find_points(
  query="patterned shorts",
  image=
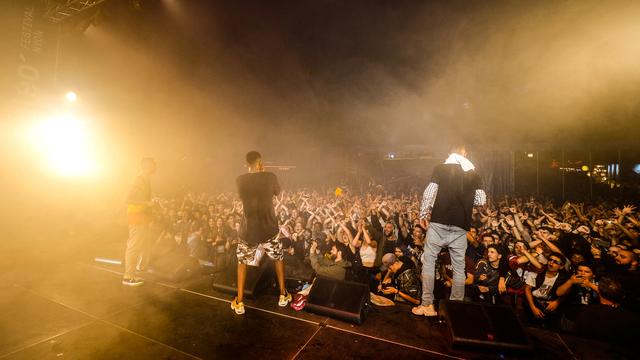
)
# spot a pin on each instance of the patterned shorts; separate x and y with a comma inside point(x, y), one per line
point(246, 253)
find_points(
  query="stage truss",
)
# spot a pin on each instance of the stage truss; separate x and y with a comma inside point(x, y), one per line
point(58, 11)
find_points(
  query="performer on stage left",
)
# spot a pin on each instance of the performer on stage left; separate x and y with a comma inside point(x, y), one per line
point(139, 216)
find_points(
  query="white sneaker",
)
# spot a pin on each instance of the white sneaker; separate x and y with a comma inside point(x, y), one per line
point(422, 310)
point(132, 282)
point(238, 307)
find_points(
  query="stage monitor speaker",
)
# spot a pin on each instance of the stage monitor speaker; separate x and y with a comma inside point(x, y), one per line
point(255, 283)
point(483, 325)
point(175, 267)
point(344, 300)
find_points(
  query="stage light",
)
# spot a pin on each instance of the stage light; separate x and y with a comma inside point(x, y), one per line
point(64, 144)
point(585, 168)
point(529, 155)
point(71, 96)
point(636, 169)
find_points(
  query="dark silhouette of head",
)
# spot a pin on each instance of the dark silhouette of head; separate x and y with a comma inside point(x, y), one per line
point(254, 161)
point(458, 148)
point(148, 165)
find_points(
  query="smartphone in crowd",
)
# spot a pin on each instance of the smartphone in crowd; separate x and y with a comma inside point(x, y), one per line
point(602, 243)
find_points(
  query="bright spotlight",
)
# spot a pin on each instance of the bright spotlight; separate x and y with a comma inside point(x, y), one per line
point(71, 96)
point(585, 168)
point(529, 155)
point(65, 145)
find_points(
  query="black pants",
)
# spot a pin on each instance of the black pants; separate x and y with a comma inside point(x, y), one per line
point(551, 319)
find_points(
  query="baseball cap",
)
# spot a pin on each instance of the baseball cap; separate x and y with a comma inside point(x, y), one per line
point(388, 260)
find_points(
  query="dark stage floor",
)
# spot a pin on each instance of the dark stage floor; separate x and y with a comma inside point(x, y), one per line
point(81, 311)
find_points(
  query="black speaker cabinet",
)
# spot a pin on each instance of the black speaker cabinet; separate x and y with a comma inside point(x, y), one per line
point(255, 283)
point(344, 300)
point(175, 267)
point(483, 325)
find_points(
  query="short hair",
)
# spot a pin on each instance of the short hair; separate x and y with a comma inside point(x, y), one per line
point(558, 255)
point(486, 233)
point(586, 264)
point(252, 156)
point(148, 161)
point(495, 247)
point(611, 290)
point(456, 147)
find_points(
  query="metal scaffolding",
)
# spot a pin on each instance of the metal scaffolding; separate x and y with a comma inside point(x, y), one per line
point(61, 10)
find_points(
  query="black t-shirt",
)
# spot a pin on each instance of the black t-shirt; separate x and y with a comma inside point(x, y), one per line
point(406, 264)
point(256, 190)
point(456, 192)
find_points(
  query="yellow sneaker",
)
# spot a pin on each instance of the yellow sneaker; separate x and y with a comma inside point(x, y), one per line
point(238, 307)
point(284, 300)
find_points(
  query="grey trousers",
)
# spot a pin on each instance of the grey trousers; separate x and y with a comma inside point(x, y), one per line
point(138, 250)
point(438, 237)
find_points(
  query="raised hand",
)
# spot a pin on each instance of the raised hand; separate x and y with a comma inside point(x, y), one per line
point(628, 209)
point(576, 280)
point(313, 247)
point(586, 283)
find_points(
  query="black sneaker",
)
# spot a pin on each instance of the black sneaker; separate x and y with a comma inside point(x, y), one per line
point(132, 282)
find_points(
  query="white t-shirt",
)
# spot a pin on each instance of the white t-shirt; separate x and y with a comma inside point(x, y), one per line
point(368, 255)
point(544, 291)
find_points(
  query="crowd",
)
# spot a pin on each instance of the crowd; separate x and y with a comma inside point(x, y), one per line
point(571, 267)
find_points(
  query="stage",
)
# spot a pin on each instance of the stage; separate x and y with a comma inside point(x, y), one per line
point(80, 310)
